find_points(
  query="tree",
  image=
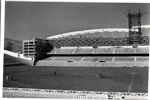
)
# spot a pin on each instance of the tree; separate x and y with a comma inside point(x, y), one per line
point(9, 46)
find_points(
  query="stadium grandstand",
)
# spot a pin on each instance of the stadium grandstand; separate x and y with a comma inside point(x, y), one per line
point(124, 49)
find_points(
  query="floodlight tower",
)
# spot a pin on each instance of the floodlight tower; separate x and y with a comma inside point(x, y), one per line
point(134, 21)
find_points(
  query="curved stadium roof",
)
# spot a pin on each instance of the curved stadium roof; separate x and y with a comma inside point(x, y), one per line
point(125, 30)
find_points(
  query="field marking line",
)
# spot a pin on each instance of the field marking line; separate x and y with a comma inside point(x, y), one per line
point(130, 86)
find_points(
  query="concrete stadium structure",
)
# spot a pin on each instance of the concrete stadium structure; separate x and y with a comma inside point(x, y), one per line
point(29, 56)
point(96, 48)
point(71, 43)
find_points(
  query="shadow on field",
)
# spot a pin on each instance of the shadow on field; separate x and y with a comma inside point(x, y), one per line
point(11, 65)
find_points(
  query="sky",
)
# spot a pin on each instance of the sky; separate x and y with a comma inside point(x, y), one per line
point(25, 20)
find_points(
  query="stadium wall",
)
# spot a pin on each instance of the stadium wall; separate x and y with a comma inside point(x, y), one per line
point(19, 57)
point(93, 64)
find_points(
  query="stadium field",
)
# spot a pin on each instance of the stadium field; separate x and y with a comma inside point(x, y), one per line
point(116, 79)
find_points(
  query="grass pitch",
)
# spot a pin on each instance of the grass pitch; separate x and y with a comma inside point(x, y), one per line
point(116, 79)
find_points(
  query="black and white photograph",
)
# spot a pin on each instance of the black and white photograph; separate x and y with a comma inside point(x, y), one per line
point(76, 50)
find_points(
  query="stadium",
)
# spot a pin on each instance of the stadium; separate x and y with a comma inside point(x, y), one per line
point(105, 64)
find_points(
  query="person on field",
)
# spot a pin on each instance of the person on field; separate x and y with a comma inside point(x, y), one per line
point(99, 76)
point(55, 73)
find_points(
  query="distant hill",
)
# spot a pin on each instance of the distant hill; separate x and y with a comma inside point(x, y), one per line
point(10, 61)
point(13, 45)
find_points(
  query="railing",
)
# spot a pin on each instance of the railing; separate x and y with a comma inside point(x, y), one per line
point(16, 55)
point(74, 94)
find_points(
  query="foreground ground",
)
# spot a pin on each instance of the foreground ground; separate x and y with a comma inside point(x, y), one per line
point(122, 79)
